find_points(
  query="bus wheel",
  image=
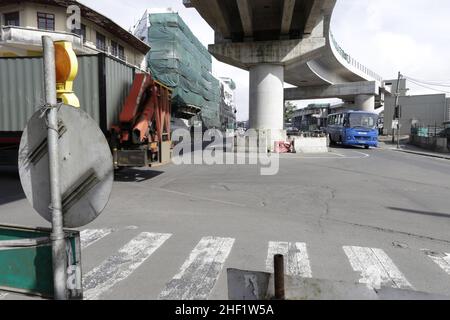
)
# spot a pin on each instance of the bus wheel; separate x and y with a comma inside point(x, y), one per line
point(366, 147)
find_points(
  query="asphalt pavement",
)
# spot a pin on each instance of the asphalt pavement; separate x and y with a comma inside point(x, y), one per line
point(370, 216)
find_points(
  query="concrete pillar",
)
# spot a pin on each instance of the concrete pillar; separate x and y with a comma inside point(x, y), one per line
point(365, 103)
point(267, 99)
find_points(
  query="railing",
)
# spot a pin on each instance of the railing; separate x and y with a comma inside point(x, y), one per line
point(351, 61)
point(429, 131)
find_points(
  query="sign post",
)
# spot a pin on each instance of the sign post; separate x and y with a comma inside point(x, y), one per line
point(57, 236)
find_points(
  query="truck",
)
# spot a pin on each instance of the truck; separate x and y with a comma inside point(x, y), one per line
point(132, 109)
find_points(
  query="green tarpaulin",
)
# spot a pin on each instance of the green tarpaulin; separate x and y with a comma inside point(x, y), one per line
point(179, 60)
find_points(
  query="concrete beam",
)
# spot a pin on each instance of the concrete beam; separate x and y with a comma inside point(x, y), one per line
point(316, 16)
point(288, 12)
point(245, 11)
point(214, 14)
point(247, 54)
point(346, 90)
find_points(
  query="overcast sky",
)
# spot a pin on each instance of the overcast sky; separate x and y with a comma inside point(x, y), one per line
point(387, 36)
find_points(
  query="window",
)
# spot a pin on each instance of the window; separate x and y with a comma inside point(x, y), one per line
point(114, 48)
point(121, 53)
point(82, 32)
point(12, 19)
point(101, 42)
point(46, 21)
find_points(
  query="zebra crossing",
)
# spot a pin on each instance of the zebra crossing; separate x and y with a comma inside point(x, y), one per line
point(205, 264)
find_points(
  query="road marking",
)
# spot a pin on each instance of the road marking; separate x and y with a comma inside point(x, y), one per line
point(376, 268)
point(118, 267)
point(200, 271)
point(337, 154)
point(296, 258)
point(442, 260)
point(340, 156)
point(3, 295)
point(189, 195)
point(90, 236)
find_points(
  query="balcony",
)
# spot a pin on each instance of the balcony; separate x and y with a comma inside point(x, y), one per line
point(31, 39)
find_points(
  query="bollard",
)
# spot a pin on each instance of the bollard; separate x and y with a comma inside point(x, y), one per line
point(279, 277)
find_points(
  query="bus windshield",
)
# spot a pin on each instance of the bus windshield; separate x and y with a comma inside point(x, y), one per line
point(361, 120)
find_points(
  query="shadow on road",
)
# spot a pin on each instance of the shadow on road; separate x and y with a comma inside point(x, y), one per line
point(135, 175)
point(426, 213)
point(10, 186)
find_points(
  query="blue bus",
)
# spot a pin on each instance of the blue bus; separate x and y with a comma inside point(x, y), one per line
point(353, 128)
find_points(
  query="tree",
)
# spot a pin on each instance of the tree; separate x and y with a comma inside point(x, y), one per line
point(289, 110)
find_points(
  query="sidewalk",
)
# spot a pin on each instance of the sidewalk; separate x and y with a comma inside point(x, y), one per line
point(419, 151)
point(386, 143)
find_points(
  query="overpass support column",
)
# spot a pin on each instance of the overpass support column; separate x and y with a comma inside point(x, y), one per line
point(365, 103)
point(267, 100)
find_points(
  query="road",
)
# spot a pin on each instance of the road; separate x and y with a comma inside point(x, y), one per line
point(370, 216)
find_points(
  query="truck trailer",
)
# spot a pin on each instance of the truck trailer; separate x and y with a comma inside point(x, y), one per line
point(131, 108)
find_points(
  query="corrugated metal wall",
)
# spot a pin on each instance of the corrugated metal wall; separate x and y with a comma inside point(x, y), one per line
point(22, 92)
point(119, 78)
point(86, 86)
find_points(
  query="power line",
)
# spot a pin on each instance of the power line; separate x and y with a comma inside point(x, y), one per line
point(429, 88)
point(431, 83)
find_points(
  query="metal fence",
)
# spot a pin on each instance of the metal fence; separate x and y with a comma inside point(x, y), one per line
point(351, 61)
point(428, 131)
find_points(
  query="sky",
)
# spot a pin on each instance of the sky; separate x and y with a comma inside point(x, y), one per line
point(387, 36)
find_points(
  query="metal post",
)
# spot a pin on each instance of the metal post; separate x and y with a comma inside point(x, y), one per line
point(397, 96)
point(279, 276)
point(398, 127)
point(57, 236)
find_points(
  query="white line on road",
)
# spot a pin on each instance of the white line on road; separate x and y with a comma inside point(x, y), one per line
point(340, 156)
point(189, 195)
point(296, 258)
point(200, 271)
point(442, 261)
point(118, 267)
point(3, 295)
point(91, 236)
point(376, 268)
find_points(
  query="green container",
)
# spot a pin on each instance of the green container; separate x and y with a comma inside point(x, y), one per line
point(26, 268)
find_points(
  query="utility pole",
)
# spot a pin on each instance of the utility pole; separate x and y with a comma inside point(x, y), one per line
point(396, 112)
point(57, 236)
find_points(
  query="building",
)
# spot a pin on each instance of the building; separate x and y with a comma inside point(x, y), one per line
point(179, 60)
point(313, 117)
point(22, 24)
point(227, 103)
point(416, 110)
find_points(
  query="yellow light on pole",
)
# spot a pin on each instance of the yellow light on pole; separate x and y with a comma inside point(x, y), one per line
point(66, 72)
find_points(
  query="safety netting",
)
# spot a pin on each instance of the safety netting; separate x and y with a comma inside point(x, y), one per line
point(178, 59)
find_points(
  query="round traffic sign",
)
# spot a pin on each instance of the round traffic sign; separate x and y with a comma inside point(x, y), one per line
point(85, 164)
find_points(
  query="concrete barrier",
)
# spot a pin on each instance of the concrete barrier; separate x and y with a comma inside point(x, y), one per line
point(310, 145)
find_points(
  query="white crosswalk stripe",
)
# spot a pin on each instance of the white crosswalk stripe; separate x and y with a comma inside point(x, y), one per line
point(296, 258)
point(119, 266)
point(442, 260)
point(199, 273)
point(376, 268)
point(90, 236)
